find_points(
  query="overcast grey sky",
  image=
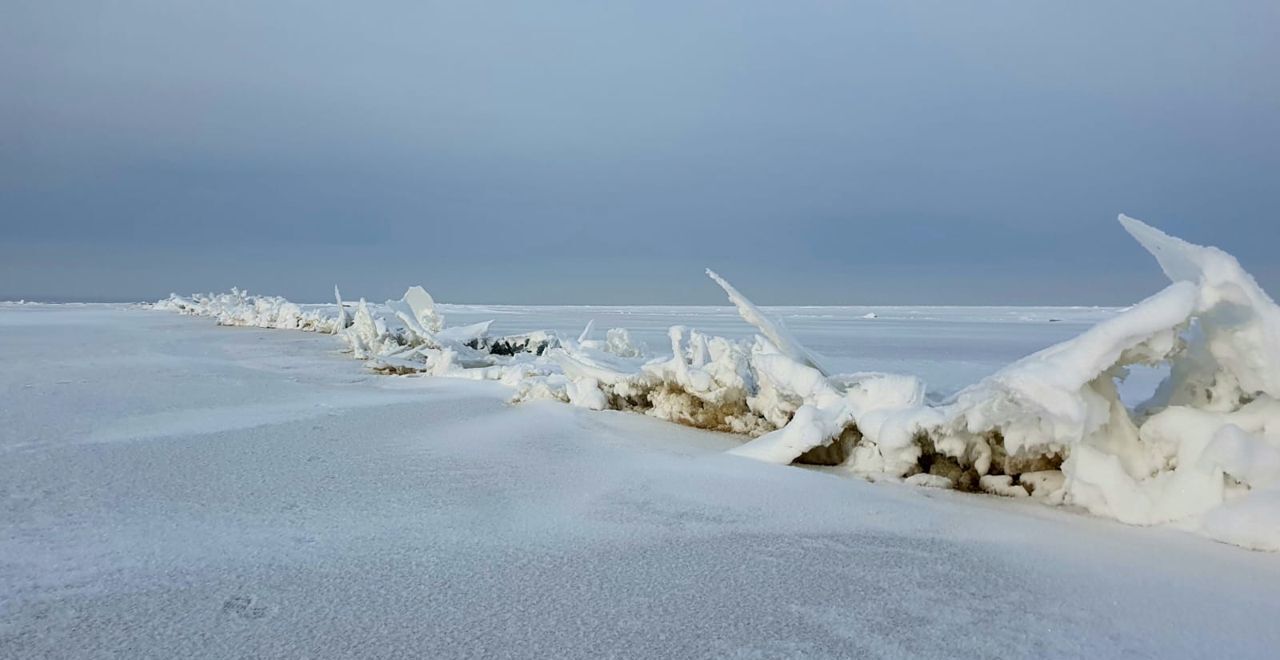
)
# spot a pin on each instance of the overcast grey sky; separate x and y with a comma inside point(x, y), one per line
point(596, 152)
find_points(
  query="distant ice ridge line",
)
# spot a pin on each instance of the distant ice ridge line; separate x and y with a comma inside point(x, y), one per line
point(1202, 454)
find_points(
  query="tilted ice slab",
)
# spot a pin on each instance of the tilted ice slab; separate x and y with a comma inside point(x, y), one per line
point(1203, 453)
point(772, 330)
point(1240, 322)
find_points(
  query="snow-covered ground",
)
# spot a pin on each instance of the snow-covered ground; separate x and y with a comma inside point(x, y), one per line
point(171, 488)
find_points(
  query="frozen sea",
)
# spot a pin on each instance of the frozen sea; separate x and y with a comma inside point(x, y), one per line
point(171, 488)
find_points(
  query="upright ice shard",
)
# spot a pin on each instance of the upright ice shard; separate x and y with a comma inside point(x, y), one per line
point(772, 330)
point(342, 321)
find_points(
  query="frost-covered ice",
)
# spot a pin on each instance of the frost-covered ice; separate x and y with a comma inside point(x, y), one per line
point(1185, 456)
point(170, 488)
point(1163, 413)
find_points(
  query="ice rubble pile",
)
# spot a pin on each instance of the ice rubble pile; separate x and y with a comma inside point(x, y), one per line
point(240, 308)
point(1203, 453)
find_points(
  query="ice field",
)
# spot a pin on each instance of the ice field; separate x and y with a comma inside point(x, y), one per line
point(1166, 412)
point(643, 481)
point(172, 488)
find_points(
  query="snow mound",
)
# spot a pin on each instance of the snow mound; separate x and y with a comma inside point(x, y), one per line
point(1203, 453)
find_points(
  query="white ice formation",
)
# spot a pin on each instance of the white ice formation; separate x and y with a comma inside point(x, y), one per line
point(1203, 453)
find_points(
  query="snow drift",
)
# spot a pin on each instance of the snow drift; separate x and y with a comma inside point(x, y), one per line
point(1203, 453)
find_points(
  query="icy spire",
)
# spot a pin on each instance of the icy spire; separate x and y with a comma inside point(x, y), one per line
point(772, 331)
point(343, 322)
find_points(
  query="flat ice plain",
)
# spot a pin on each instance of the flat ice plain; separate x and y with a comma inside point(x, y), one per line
point(171, 488)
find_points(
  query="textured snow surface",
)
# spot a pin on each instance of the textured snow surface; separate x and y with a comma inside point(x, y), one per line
point(170, 488)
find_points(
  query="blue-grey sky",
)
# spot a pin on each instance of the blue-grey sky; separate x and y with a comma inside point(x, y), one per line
point(596, 152)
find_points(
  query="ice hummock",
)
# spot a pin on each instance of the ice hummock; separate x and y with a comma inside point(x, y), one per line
point(1203, 453)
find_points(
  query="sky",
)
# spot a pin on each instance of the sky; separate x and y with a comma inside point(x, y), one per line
point(607, 152)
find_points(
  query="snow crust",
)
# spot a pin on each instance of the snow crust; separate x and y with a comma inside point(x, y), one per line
point(1202, 454)
point(184, 490)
